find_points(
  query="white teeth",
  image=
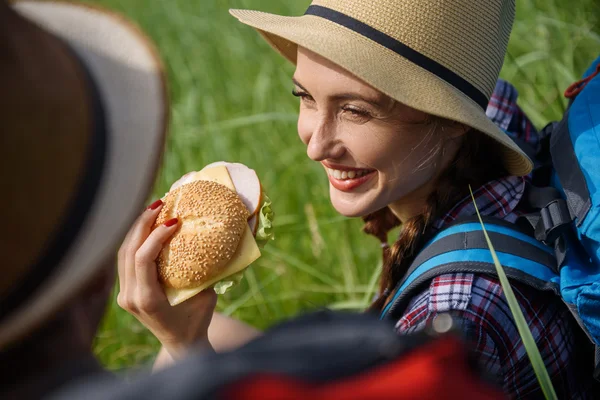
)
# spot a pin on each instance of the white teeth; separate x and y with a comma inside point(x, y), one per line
point(343, 175)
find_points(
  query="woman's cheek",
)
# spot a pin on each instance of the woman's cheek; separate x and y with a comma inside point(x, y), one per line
point(368, 147)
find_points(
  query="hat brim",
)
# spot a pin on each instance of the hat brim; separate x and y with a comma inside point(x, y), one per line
point(383, 69)
point(132, 84)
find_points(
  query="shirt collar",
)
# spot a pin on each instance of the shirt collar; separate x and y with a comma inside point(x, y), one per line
point(498, 198)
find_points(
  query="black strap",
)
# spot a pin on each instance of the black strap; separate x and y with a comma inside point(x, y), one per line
point(550, 221)
point(597, 362)
point(525, 147)
point(476, 240)
point(543, 170)
point(403, 50)
point(560, 250)
point(551, 217)
point(78, 209)
point(540, 197)
point(569, 172)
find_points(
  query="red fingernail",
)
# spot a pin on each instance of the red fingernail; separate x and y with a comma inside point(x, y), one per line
point(171, 222)
point(155, 205)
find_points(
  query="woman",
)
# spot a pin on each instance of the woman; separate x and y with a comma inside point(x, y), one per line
point(393, 97)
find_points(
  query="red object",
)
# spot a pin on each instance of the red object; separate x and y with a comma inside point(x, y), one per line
point(171, 222)
point(438, 370)
point(576, 88)
point(155, 205)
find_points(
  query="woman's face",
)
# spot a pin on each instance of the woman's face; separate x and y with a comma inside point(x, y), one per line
point(376, 152)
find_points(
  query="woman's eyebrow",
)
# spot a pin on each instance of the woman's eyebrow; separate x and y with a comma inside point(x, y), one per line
point(345, 96)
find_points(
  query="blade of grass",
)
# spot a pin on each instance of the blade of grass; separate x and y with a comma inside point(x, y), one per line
point(372, 286)
point(532, 350)
point(231, 308)
point(302, 266)
point(349, 270)
point(255, 288)
point(239, 122)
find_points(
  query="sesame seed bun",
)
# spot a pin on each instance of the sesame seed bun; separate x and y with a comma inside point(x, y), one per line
point(212, 219)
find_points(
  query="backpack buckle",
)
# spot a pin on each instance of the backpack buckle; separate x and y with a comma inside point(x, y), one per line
point(554, 221)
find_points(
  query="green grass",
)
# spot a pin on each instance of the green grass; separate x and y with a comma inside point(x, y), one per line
point(231, 101)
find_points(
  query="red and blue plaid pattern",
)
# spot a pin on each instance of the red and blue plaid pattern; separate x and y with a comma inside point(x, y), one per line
point(504, 112)
point(477, 300)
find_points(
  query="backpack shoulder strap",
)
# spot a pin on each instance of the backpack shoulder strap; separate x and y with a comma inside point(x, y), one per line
point(462, 247)
point(574, 145)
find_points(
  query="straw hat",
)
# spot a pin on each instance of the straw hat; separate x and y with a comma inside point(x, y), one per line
point(83, 118)
point(442, 57)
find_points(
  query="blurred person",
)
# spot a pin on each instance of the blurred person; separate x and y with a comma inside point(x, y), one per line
point(83, 118)
point(401, 104)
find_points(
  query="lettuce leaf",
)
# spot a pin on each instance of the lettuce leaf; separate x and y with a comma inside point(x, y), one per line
point(264, 234)
point(265, 231)
point(226, 284)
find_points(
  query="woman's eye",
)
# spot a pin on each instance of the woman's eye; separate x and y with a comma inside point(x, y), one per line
point(303, 95)
point(357, 112)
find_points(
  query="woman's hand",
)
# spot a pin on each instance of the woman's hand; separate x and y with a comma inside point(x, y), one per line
point(179, 327)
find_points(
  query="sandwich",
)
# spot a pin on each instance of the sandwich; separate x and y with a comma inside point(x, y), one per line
point(225, 219)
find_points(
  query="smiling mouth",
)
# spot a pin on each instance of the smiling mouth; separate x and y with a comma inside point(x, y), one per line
point(345, 175)
point(348, 180)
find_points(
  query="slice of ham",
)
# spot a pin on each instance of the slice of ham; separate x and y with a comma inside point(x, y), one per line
point(246, 183)
point(253, 222)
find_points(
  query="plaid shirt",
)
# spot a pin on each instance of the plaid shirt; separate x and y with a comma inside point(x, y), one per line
point(477, 302)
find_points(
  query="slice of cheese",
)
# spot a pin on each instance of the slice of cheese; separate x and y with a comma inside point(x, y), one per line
point(246, 253)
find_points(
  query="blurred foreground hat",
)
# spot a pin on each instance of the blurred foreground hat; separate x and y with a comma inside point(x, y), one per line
point(83, 116)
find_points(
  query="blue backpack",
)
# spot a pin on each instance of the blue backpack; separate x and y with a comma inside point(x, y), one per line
point(556, 247)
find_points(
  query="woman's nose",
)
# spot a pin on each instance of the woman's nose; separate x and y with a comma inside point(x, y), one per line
point(321, 139)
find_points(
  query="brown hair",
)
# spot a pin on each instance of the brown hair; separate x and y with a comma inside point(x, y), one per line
point(477, 161)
